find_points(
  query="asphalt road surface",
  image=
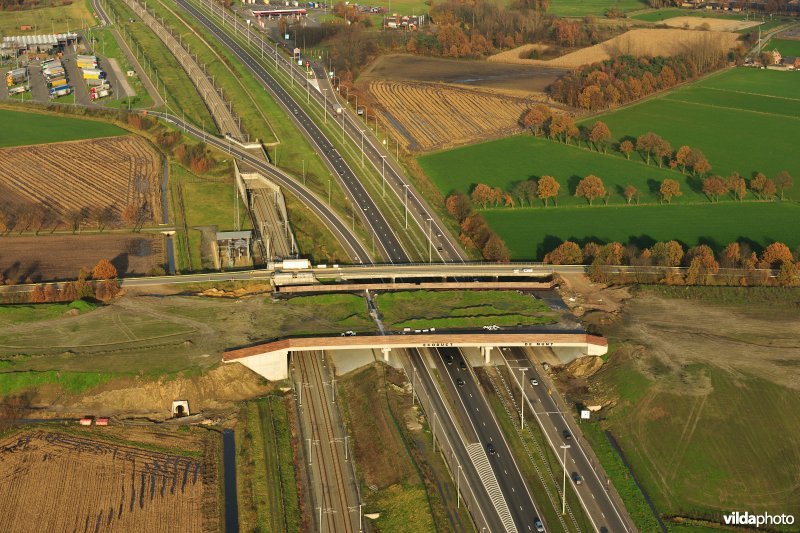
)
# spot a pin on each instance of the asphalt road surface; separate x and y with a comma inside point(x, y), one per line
point(462, 386)
point(592, 490)
point(437, 413)
point(373, 219)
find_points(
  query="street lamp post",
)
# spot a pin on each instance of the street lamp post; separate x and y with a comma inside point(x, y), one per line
point(564, 490)
point(325, 105)
point(405, 203)
point(362, 146)
point(430, 240)
point(383, 175)
point(522, 400)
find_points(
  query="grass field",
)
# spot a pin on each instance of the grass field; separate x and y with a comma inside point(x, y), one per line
point(715, 225)
point(580, 8)
point(787, 47)
point(71, 382)
point(744, 120)
point(265, 467)
point(690, 409)
point(461, 309)
point(35, 128)
point(533, 157)
point(382, 455)
point(46, 20)
point(206, 203)
point(20, 314)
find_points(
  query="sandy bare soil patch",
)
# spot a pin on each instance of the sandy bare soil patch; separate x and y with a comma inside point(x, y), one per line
point(96, 173)
point(677, 333)
point(60, 257)
point(519, 55)
point(434, 115)
point(695, 23)
point(472, 73)
point(61, 482)
point(653, 42)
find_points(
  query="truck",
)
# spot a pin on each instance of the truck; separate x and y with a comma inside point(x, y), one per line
point(93, 74)
point(53, 72)
point(100, 84)
point(295, 264)
point(18, 90)
point(16, 76)
point(64, 90)
point(57, 82)
point(94, 95)
point(86, 64)
point(338, 109)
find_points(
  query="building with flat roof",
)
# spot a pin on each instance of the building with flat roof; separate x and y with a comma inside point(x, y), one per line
point(14, 45)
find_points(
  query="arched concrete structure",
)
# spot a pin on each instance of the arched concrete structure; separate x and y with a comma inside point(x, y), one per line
point(270, 359)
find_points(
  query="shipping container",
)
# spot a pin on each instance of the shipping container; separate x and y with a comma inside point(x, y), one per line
point(98, 84)
point(93, 74)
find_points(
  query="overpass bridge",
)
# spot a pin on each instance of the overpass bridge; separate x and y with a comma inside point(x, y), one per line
point(271, 359)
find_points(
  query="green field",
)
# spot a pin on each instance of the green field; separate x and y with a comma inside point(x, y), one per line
point(530, 233)
point(71, 17)
point(461, 309)
point(265, 467)
point(20, 314)
point(580, 8)
point(462, 168)
point(698, 376)
point(787, 47)
point(744, 120)
point(21, 128)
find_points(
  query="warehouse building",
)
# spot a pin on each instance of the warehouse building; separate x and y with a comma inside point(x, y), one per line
point(16, 45)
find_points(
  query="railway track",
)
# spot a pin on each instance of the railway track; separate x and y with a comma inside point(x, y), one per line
point(334, 496)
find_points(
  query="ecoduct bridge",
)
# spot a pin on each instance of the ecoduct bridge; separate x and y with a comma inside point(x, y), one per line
point(270, 359)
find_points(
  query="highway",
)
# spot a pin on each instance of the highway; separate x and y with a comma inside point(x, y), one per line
point(390, 246)
point(541, 400)
point(467, 395)
point(452, 444)
point(443, 245)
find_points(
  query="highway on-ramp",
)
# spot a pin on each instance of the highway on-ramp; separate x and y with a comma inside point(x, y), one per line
point(391, 248)
point(593, 491)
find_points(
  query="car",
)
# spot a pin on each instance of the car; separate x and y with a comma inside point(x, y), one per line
point(296, 112)
point(527, 270)
point(538, 524)
point(490, 448)
point(567, 435)
point(462, 365)
point(440, 248)
point(534, 382)
point(576, 477)
point(448, 359)
point(459, 382)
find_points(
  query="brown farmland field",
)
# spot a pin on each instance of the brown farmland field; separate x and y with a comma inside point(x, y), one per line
point(111, 172)
point(640, 42)
point(470, 73)
point(60, 257)
point(712, 24)
point(433, 115)
point(60, 482)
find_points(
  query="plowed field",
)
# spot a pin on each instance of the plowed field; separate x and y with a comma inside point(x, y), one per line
point(59, 482)
point(60, 257)
point(98, 173)
point(430, 116)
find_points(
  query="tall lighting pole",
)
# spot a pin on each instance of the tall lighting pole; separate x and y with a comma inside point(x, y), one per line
point(405, 203)
point(430, 241)
point(564, 490)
